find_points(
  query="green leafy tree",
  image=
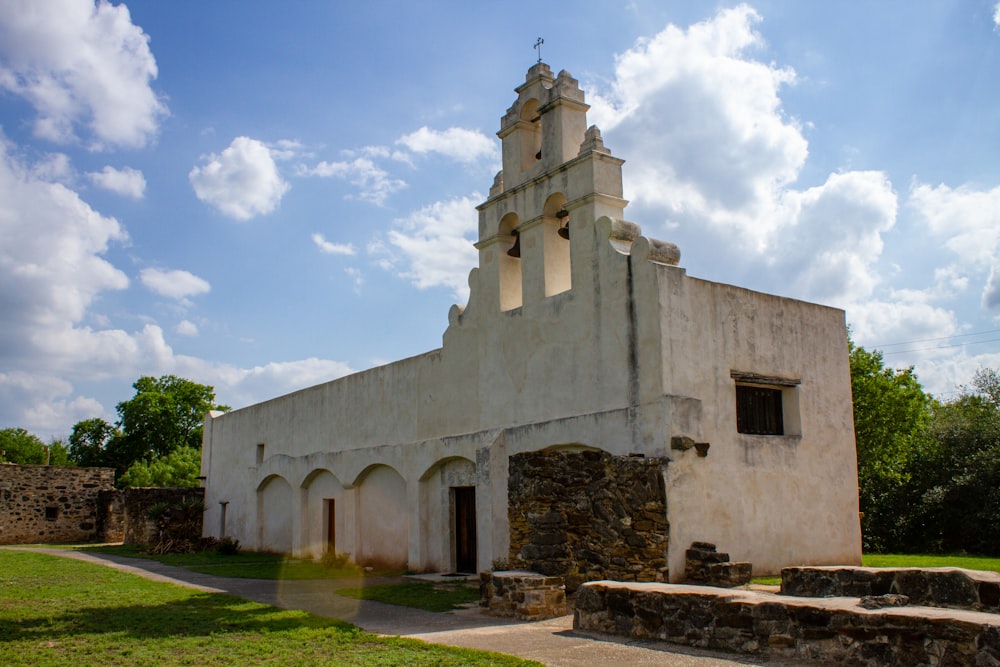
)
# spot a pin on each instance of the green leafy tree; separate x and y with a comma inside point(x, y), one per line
point(891, 414)
point(955, 483)
point(180, 467)
point(165, 414)
point(19, 446)
point(88, 443)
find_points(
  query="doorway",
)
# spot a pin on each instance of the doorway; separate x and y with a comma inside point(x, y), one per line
point(464, 498)
point(331, 525)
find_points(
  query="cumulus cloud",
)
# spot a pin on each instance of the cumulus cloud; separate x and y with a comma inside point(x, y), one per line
point(457, 143)
point(996, 16)
point(702, 124)
point(967, 221)
point(51, 260)
point(186, 328)
point(127, 182)
point(328, 248)
point(434, 246)
point(176, 284)
point(80, 64)
point(833, 237)
point(374, 183)
point(242, 182)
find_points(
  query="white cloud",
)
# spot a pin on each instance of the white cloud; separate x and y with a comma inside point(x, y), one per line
point(434, 246)
point(374, 183)
point(833, 236)
point(51, 259)
point(702, 125)
point(968, 218)
point(176, 284)
point(968, 222)
point(357, 278)
point(286, 149)
point(332, 248)
point(80, 63)
point(242, 182)
point(127, 182)
point(457, 143)
point(186, 328)
point(996, 16)
point(40, 403)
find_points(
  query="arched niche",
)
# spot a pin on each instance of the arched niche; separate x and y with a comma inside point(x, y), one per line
point(274, 515)
point(558, 271)
point(382, 517)
point(448, 516)
point(510, 267)
point(530, 135)
point(326, 514)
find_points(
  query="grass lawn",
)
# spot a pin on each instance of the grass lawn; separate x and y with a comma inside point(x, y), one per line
point(61, 612)
point(245, 564)
point(915, 560)
point(431, 596)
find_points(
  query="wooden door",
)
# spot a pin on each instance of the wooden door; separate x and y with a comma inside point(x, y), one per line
point(465, 528)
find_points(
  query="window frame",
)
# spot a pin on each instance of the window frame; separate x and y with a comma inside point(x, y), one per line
point(777, 398)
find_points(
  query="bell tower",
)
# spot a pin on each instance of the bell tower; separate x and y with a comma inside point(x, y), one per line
point(536, 230)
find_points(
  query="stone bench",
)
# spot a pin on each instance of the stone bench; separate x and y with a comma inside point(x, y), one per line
point(527, 596)
point(821, 630)
point(934, 587)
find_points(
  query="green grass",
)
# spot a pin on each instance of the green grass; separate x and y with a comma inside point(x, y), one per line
point(57, 612)
point(245, 564)
point(932, 560)
point(914, 560)
point(430, 596)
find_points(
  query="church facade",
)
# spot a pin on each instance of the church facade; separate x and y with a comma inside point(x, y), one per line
point(580, 334)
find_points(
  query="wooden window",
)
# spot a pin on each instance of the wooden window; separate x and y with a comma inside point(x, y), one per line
point(51, 513)
point(758, 410)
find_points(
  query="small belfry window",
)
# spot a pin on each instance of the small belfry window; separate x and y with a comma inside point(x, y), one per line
point(758, 410)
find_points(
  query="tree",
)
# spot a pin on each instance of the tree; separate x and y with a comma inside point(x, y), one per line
point(180, 467)
point(88, 443)
point(19, 446)
point(165, 414)
point(955, 487)
point(891, 413)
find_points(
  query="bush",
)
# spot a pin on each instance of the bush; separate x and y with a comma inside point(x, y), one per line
point(228, 546)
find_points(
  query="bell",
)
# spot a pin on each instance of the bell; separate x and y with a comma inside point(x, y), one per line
point(515, 250)
point(563, 230)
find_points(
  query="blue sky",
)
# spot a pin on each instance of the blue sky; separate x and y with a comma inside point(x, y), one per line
point(264, 196)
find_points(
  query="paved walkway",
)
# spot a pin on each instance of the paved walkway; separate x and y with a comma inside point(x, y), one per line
point(552, 642)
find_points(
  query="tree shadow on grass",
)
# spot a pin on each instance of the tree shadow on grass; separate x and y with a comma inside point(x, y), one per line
point(200, 614)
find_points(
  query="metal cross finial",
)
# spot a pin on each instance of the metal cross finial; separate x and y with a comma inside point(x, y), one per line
point(538, 47)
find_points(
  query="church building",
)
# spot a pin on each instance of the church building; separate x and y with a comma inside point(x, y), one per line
point(580, 335)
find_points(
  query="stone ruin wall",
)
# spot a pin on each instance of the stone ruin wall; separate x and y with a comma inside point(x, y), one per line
point(50, 504)
point(587, 516)
point(138, 528)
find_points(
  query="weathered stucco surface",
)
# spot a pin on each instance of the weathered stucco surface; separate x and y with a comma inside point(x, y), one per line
point(596, 341)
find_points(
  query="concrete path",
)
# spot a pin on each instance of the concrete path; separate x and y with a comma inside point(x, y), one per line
point(552, 642)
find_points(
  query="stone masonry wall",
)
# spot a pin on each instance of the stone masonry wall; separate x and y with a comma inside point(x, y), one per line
point(588, 515)
point(138, 529)
point(825, 631)
point(50, 504)
point(932, 587)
